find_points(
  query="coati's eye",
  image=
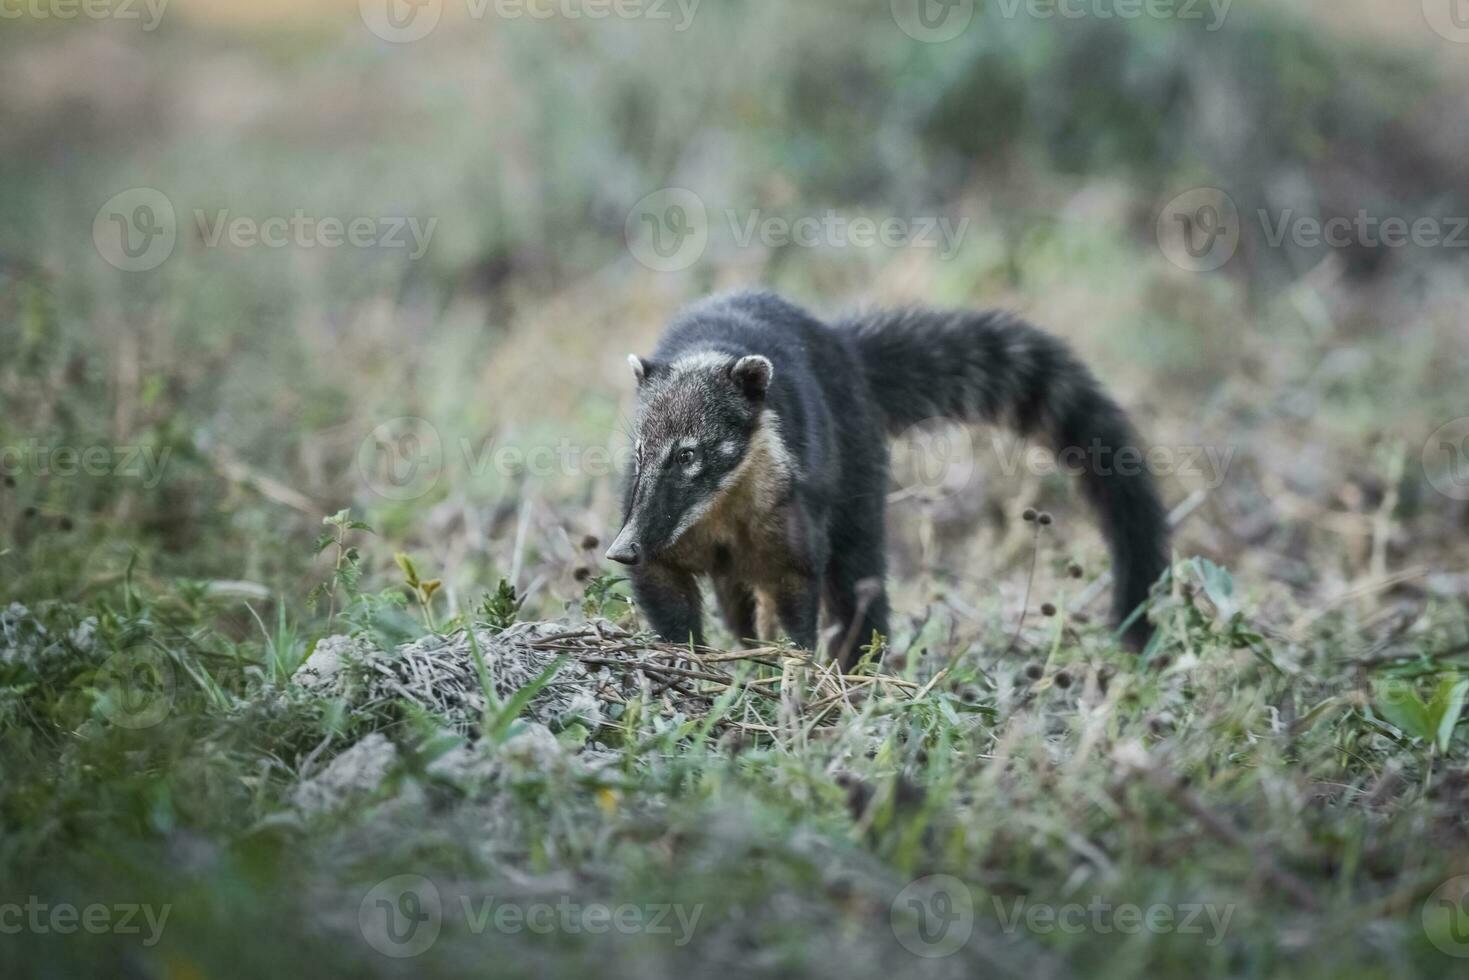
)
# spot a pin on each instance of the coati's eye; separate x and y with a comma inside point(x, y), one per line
point(686, 458)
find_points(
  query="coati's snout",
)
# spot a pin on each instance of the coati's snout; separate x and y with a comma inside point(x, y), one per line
point(624, 549)
point(694, 423)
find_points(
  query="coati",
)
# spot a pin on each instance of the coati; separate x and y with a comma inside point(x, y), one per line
point(761, 459)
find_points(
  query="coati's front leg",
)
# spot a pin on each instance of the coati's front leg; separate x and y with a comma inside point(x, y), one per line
point(797, 600)
point(737, 607)
point(669, 598)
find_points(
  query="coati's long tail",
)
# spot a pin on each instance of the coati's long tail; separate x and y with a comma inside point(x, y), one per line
point(995, 368)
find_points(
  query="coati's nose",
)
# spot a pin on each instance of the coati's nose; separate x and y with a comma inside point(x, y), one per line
point(624, 549)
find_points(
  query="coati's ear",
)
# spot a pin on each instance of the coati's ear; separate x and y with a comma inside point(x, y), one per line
point(752, 373)
point(641, 369)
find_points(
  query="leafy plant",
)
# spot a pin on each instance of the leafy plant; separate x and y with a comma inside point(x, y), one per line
point(1432, 721)
point(423, 590)
point(601, 595)
point(499, 609)
point(347, 566)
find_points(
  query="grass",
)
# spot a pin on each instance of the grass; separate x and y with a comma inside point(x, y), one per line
point(1275, 788)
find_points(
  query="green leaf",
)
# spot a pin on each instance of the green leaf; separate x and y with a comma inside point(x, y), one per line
point(1397, 702)
point(1445, 708)
point(410, 574)
point(1218, 585)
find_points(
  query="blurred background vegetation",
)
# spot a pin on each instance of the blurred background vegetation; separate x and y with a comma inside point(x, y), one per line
point(259, 375)
point(529, 142)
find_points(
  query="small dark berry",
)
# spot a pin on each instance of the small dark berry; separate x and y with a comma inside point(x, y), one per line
point(1080, 617)
point(1048, 609)
point(9, 480)
point(29, 512)
point(590, 542)
point(67, 524)
point(1028, 515)
point(1074, 570)
point(1033, 671)
point(1063, 679)
point(581, 573)
point(1044, 518)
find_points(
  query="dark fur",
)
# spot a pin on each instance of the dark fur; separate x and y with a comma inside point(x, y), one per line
point(815, 535)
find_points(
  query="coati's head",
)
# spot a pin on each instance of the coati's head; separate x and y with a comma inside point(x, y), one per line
point(694, 426)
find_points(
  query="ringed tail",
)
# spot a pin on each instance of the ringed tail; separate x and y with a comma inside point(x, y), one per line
point(993, 367)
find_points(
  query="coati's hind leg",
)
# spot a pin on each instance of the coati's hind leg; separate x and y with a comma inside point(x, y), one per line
point(856, 598)
point(670, 600)
point(737, 608)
